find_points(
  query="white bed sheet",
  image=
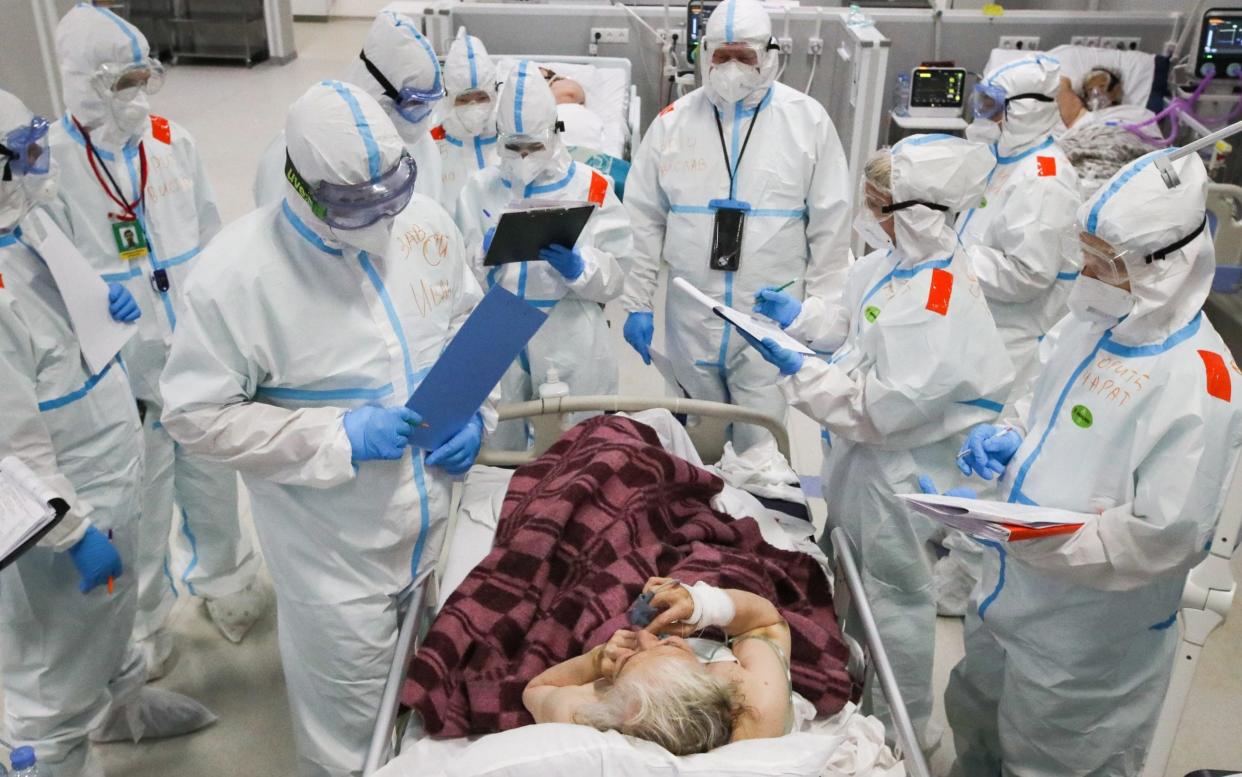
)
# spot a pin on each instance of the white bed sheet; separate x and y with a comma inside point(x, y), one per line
point(848, 744)
point(607, 95)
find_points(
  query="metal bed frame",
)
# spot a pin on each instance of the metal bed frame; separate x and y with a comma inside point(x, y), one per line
point(708, 435)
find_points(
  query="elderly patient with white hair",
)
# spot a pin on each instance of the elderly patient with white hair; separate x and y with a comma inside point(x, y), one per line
point(660, 683)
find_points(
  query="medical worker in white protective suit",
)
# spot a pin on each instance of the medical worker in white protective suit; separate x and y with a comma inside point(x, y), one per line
point(1012, 234)
point(135, 199)
point(293, 365)
point(398, 67)
point(916, 361)
point(466, 138)
point(67, 605)
point(743, 149)
point(1070, 640)
point(571, 283)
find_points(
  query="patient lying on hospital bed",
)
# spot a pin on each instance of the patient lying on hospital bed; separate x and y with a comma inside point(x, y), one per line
point(688, 695)
point(582, 532)
point(589, 138)
point(1094, 136)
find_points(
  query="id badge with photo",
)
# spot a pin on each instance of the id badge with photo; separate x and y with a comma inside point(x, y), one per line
point(131, 239)
point(727, 230)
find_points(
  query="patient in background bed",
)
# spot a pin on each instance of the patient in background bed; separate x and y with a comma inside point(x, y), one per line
point(1095, 137)
point(687, 695)
point(583, 126)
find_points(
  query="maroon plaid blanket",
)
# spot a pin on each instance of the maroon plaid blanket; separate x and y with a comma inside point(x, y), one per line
point(582, 529)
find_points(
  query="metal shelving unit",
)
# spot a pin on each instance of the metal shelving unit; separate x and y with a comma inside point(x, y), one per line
point(217, 29)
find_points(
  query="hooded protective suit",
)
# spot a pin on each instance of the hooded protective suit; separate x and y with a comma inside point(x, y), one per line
point(177, 212)
point(1132, 417)
point(467, 136)
point(916, 361)
point(1013, 233)
point(575, 340)
point(79, 433)
point(792, 180)
point(295, 329)
point(406, 60)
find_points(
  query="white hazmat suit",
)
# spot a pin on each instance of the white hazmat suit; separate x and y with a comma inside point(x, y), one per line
point(65, 657)
point(296, 328)
point(1012, 235)
point(574, 340)
point(467, 136)
point(405, 58)
point(793, 182)
point(916, 360)
point(1070, 641)
point(177, 212)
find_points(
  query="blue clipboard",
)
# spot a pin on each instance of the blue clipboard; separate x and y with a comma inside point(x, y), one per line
point(470, 367)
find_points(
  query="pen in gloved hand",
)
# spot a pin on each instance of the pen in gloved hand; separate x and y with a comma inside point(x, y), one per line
point(111, 580)
point(1000, 432)
point(785, 286)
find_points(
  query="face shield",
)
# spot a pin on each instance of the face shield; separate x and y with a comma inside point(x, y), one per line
point(25, 150)
point(355, 206)
point(124, 82)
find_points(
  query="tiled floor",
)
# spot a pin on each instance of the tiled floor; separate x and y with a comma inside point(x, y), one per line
point(234, 113)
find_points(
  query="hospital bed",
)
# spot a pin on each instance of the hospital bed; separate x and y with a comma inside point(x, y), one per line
point(610, 93)
point(846, 733)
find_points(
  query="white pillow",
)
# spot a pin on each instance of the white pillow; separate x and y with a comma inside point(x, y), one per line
point(564, 750)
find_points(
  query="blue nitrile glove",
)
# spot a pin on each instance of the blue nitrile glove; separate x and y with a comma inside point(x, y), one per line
point(96, 560)
point(987, 450)
point(639, 328)
point(380, 432)
point(777, 305)
point(457, 456)
point(928, 487)
point(567, 261)
point(785, 360)
point(121, 304)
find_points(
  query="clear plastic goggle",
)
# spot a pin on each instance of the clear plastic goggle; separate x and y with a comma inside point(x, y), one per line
point(125, 81)
point(874, 199)
point(987, 100)
point(345, 206)
point(518, 145)
point(1116, 267)
point(415, 105)
point(25, 150)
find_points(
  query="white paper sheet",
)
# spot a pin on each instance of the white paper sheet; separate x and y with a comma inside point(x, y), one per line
point(84, 292)
point(664, 366)
point(1000, 521)
point(22, 513)
point(757, 328)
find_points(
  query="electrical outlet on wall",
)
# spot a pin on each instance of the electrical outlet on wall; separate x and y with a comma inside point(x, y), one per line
point(1120, 43)
point(610, 35)
point(1085, 40)
point(1023, 42)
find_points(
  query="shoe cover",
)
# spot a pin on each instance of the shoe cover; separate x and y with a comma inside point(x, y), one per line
point(154, 714)
point(236, 613)
point(157, 651)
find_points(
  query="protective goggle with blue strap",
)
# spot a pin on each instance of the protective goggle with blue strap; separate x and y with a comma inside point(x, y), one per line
point(414, 105)
point(987, 100)
point(25, 150)
point(354, 206)
point(125, 81)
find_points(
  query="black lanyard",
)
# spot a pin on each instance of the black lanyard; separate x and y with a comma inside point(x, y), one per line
point(732, 169)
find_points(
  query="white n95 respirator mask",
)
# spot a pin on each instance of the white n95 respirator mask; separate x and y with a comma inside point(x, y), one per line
point(1094, 300)
point(373, 239)
point(983, 131)
point(871, 231)
point(734, 81)
point(468, 121)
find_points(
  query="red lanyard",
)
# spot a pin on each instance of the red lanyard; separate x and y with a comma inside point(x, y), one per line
point(115, 192)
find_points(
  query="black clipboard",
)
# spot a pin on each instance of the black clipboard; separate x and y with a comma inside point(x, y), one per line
point(520, 234)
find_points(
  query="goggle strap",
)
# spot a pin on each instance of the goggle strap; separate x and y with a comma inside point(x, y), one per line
point(1171, 247)
point(9, 156)
point(1043, 98)
point(300, 186)
point(896, 206)
point(389, 90)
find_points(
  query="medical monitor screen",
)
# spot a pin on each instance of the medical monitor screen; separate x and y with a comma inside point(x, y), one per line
point(937, 87)
point(1220, 44)
point(697, 13)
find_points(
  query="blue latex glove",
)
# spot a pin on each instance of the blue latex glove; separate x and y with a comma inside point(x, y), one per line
point(380, 432)
point(96, 560)
point(785, 360)
point(987, 450)
point(639, 328)
point(928, 487)
point(457, 456)
point(777, 305)
point(121, 304)
point(567, 261)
